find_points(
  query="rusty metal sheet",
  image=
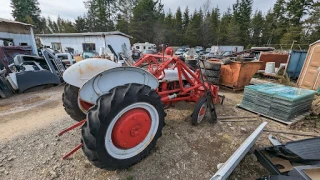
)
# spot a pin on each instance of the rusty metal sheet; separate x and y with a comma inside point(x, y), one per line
point(278, 58)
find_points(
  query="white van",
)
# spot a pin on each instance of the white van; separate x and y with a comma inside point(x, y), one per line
point(144, 46)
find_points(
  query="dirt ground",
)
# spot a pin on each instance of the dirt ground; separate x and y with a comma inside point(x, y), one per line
point(31, 149)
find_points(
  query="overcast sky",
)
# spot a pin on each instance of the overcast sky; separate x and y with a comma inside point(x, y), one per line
point(70, 9)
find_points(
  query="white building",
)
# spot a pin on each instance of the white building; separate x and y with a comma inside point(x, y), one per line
point(13, 33)
point(84, 42)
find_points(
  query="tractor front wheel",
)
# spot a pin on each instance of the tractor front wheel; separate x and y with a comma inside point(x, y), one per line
point(123, 126)
point(71, 102)
point(199, 111)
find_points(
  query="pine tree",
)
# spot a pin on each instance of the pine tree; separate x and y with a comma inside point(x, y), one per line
point(312, 25)
point(214, 26)
point(178, 28)
point(224, 23)
point(169, 28)
point(80, 24)
point(256, 28)
point(122, 24)
point(244, 20)
point(145, 15)
point(297, 9)
point(60, 26)
point(193, 31)
point(99, 15)
point(27, 11)
point(233, 32)
point(186, 19)
point(125, 8)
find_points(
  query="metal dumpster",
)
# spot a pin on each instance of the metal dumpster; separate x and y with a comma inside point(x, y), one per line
point(295, 62)
point(237, 75)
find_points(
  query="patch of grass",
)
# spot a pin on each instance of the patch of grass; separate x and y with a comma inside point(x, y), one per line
point(129, 169)
point(130, 178)
point(285, 80)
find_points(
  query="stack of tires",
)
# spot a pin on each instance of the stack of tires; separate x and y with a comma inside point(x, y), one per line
point(192, 63)
point(211, 70)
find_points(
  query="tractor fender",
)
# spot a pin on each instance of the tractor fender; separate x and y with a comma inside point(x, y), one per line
point(82, 71)
point(109, 79)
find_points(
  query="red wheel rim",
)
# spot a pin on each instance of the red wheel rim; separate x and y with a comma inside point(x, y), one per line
point(131, 128)
point(202, 111)
point(85, 105)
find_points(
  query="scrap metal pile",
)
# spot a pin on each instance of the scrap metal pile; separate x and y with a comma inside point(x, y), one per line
point(277, 101)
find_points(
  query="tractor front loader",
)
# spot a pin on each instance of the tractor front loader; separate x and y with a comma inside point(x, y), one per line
point(121, 109)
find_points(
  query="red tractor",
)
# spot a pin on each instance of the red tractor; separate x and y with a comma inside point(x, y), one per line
point(121, 109)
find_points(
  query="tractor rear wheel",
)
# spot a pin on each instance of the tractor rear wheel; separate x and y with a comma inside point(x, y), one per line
point(123, 126)
point(70, 102)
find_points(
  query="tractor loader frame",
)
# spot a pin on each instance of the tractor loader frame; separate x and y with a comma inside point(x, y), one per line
point(123, 107)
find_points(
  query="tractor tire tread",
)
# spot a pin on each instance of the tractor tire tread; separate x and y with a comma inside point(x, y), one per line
point(211, 65)
point(100, 116)
point(70, 103)
point(211, 73)
point(196, 111)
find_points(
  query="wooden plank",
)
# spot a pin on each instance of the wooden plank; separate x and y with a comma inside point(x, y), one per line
point(293, 133)
point(236, 117)
point(287, 137)
point(241, 120)
point(234, 89)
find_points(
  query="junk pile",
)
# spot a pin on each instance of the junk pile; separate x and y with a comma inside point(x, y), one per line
point(294, 160)
point(278, 102)
point(316, 106)
point(21, 72)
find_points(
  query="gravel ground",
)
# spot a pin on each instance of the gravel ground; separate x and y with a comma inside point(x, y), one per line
point(30, 148)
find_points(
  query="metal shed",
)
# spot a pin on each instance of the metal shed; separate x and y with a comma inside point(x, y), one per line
point(14, 33)
point(84, 42)
point(309, 77)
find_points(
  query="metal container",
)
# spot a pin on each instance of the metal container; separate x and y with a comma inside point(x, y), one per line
point(237, 75)
point(295, 62)
point(278, 58)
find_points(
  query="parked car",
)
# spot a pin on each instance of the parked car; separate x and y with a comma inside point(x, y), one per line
point(208, 50)
point(201, 53)
point(198, 48)
point(89, 54)
point(148, 51)
point(136, 54)
point(179, 52)
point(187, 55)
point(209, 55)
point(66, 58)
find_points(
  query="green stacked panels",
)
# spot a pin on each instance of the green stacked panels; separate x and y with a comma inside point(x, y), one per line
point(277, 101)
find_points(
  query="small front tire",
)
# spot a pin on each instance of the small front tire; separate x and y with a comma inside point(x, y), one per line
point(199, 111)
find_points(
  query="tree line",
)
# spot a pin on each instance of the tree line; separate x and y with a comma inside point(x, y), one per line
point(288, 22)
